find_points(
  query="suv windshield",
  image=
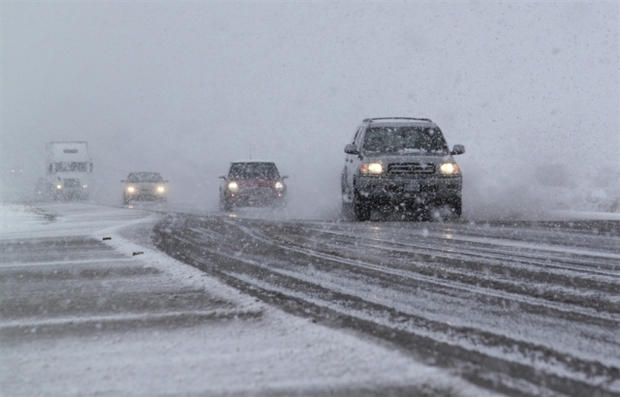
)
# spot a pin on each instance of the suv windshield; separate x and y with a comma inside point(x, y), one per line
point(253, 170)
point(404, 140)
point(144, 177)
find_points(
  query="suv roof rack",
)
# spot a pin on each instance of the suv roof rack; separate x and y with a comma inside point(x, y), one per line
point(370, 120)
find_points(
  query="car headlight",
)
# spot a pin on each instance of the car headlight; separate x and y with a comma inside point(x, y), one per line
point(85, 186)
point(233, 187)
point(131, 189)
point(160, 189)
point(279, 186)
point(372, 168)
point(449, 169)
point(58, 187)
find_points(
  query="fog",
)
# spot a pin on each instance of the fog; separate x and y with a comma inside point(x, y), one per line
point(532, 90)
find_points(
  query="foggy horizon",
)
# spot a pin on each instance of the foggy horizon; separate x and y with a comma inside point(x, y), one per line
point(185, 88)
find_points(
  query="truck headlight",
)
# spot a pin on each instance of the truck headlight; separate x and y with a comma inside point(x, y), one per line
point(279, 186)
point(160, 189)
point(449, 169)
point(233, 187)
point(372, 168)
point(131, 189)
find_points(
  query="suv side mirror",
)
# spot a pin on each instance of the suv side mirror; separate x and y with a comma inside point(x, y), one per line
point(458, 149)
point(284, 176)
point(351, 149)
point(222, 176)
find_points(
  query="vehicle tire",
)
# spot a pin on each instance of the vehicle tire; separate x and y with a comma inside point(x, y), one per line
point(347, 211)
point(225, 206)
point(347, 202)
point(444, 211)
point(457, 205)
point(361, 208)
point(278, 204)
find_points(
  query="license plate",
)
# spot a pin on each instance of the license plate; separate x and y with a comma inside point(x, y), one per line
point(412, 187)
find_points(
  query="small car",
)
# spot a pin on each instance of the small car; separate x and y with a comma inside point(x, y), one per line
point(401, 162)
point(252, 183)
point(144, 186)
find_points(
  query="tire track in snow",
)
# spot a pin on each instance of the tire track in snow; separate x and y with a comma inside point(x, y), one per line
point(271, 265)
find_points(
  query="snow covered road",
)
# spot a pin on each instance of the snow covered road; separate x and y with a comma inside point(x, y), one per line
point(89, 307)
point(524, 308)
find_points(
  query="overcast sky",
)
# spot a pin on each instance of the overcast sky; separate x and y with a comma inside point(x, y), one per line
point(184, 88)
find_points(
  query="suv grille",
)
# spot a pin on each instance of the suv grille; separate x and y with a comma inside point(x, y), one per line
point(411, 168)
point(72, 183)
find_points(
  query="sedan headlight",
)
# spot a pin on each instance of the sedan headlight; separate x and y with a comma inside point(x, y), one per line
point(449, 169)
point(372, 168)
point(131, 189)
point(233, 187)
point(160, 189)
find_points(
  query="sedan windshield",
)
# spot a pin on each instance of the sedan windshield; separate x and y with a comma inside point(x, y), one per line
point(253, 171)
point(71, 167)
point(144, 177)
point(404, 140)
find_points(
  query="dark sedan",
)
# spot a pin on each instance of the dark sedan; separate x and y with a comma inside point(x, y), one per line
point(252, 183)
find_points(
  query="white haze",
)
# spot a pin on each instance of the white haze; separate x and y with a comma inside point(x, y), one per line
point(184, 88)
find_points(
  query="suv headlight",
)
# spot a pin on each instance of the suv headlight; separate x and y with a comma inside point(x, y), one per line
point(372, 168)
point(279, 186)
point(233, 187)
point(160, 189)
point(449, 169)
point(131, 189)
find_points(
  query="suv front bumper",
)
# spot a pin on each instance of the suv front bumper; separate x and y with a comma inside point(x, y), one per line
point(394, 190)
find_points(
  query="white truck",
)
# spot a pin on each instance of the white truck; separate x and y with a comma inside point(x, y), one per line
point(68, 172)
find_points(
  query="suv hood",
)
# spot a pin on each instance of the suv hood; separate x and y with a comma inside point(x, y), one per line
point(390, 159)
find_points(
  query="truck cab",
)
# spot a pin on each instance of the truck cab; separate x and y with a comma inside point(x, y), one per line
point(68, 172)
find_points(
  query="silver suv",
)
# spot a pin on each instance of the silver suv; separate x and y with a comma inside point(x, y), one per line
point(401, 163)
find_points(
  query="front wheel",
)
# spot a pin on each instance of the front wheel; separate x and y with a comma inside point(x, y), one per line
point(446, 211)
point(347, 210)
point(225, 206)
point(457, 205)
point(454, 205)
point(361, 208)
point(280, 204)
